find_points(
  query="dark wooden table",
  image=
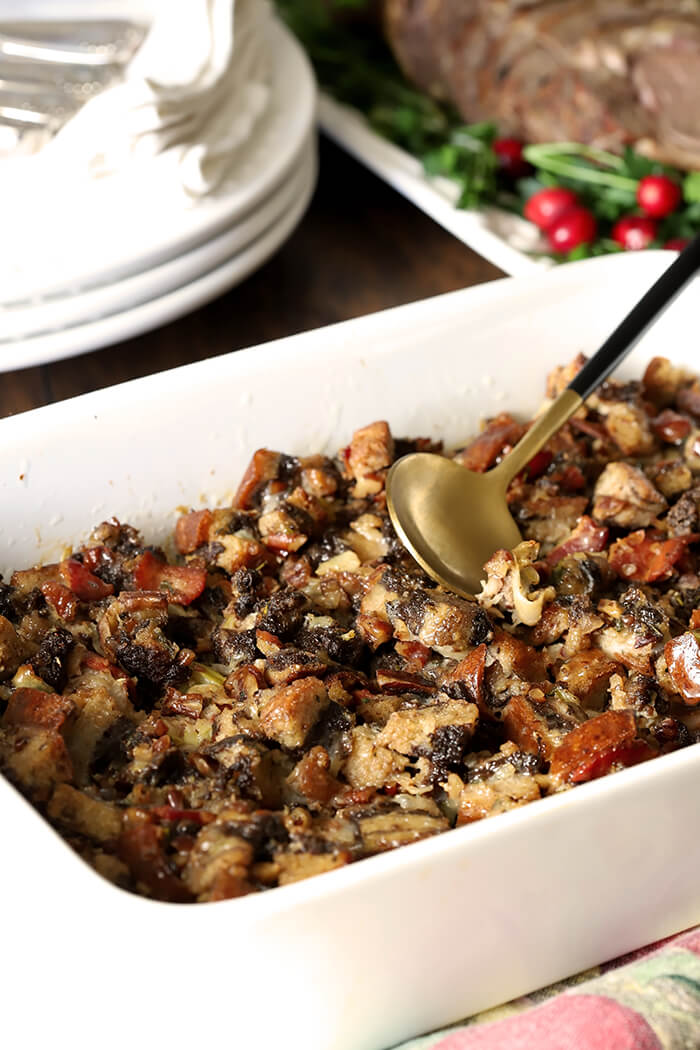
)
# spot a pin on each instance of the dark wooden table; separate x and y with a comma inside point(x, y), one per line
point(360, 247)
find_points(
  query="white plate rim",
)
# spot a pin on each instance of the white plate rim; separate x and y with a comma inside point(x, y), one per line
point(104, 300)
point(125, 324)
point(293, 110)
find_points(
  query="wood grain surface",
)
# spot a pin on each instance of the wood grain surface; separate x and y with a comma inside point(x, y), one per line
point(360, 248)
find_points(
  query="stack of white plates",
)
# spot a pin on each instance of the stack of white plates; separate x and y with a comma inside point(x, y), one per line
point(175, 259)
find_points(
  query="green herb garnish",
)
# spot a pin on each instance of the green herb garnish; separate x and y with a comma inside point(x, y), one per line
point(354, 64)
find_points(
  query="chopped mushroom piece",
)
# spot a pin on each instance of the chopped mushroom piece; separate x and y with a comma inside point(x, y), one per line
point(684, 516)
point(439, 621)
point(399, 827)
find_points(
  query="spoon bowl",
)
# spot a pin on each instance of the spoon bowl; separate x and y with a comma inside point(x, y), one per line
point(452, 519)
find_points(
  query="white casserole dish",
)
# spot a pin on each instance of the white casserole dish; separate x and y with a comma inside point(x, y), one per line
point(365, 956)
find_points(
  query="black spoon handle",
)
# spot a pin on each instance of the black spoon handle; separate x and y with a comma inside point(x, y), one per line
point(620, 342)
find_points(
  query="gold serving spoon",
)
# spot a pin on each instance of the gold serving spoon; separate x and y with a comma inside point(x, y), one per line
point(452, 519)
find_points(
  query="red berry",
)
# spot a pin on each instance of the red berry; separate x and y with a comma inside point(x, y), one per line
point(658, 196)
point(676, 244)
point(575, 226)
point(634, 232)
point(545, 206)
point(509, 153)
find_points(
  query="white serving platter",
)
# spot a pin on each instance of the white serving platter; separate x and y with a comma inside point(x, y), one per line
point(365, 956)
point(502, 238)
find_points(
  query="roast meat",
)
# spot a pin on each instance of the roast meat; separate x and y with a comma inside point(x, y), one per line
point(604, 72)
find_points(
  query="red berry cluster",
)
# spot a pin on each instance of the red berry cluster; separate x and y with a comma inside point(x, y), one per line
point(567, 223)
point(657, 197)
point(563, 219)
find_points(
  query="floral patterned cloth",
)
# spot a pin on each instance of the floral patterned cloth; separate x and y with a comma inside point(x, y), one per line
point(649, 1000)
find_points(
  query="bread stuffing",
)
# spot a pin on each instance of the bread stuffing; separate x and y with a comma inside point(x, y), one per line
point(285, 692)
